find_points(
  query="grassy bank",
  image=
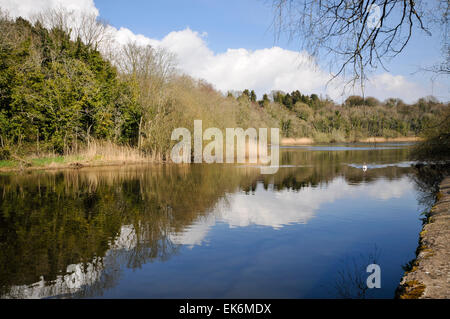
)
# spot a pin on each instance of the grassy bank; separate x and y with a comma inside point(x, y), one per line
point(101, 153)
point(98, 153)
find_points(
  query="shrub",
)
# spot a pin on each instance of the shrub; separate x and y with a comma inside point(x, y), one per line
point(337, 136)
point(436, 146)
point(303, 111)
point(5, 153)
point(371, 101)
point(320, 137)
point(354, 100)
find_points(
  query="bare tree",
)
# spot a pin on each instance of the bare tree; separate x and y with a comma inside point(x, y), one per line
point(357, 35)
point(440, 17)
point(85, 26)
point(152, 68)
point(145, 61)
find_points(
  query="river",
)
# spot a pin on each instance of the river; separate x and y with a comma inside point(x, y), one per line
point(213, 231)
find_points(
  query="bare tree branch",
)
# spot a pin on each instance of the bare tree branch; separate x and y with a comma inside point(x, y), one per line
point(356, 36)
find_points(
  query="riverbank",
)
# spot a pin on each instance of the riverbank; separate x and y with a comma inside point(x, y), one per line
point(97, 154)
point(428, 277)
point(100, 154)
point(391, 140)
point(297, 141)
point(309, 141)
point(53, 164)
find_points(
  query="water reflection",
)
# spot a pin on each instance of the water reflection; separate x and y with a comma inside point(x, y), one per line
point(285, 207)
point(75, 233)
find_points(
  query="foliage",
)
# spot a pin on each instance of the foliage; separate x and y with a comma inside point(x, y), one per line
point(59, 95)
point(436, 146)
point(57, 92)
point(5, 154)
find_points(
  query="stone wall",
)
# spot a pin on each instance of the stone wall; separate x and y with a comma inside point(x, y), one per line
point(429, 276)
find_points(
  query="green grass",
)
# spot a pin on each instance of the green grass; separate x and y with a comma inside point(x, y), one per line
point(7, 164)
point(42, 162)
point(47, 161)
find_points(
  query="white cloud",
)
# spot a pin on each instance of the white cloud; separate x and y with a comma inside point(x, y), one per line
point(28, 8)
point(266, 69)
point(235, 69)
point(387, 85)
point(124, 36)
point(272, 69)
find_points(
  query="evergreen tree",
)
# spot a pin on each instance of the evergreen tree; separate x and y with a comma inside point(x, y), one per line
point(252, 96)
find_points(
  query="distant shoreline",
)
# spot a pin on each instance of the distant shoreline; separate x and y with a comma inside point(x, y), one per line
point(394, 139)
point(72, 162)
point(310, 141)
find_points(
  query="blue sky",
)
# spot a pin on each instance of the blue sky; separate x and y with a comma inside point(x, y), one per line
point(231, 44)
point(247, 24)
point(229, 24)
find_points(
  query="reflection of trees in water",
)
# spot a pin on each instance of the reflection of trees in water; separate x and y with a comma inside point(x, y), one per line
point(352, 276)
point(331, 164)
point(50, 221)
point(132, 253)
point(427, 179)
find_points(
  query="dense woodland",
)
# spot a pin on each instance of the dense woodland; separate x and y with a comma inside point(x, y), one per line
point(59, 92)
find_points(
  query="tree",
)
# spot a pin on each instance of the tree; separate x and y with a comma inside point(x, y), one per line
point(287, 101)
point(264, 101)
point(92, 31)
point(359, 35)
point(436, 147)
point(150, 69)
point(55, 92)
point(314, 97)
point(253, 96)
point(278, 96)
point(296, 96)
point(371, 101)
point(354, 100)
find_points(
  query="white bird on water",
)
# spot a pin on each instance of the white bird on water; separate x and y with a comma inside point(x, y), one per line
point(364, 167)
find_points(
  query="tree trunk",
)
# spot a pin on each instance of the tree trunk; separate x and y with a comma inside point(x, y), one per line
point(140, 134)
point(37, 141)
point(88, 135)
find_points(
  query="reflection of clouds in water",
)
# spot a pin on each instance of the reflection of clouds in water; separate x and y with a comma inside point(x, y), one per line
point(277, 209)
point(267, 208)
point(79, 275)
point(127, 239)
point(194, 234)
point(388, 189)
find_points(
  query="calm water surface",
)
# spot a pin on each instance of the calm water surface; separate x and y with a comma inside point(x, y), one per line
point(212, 231)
